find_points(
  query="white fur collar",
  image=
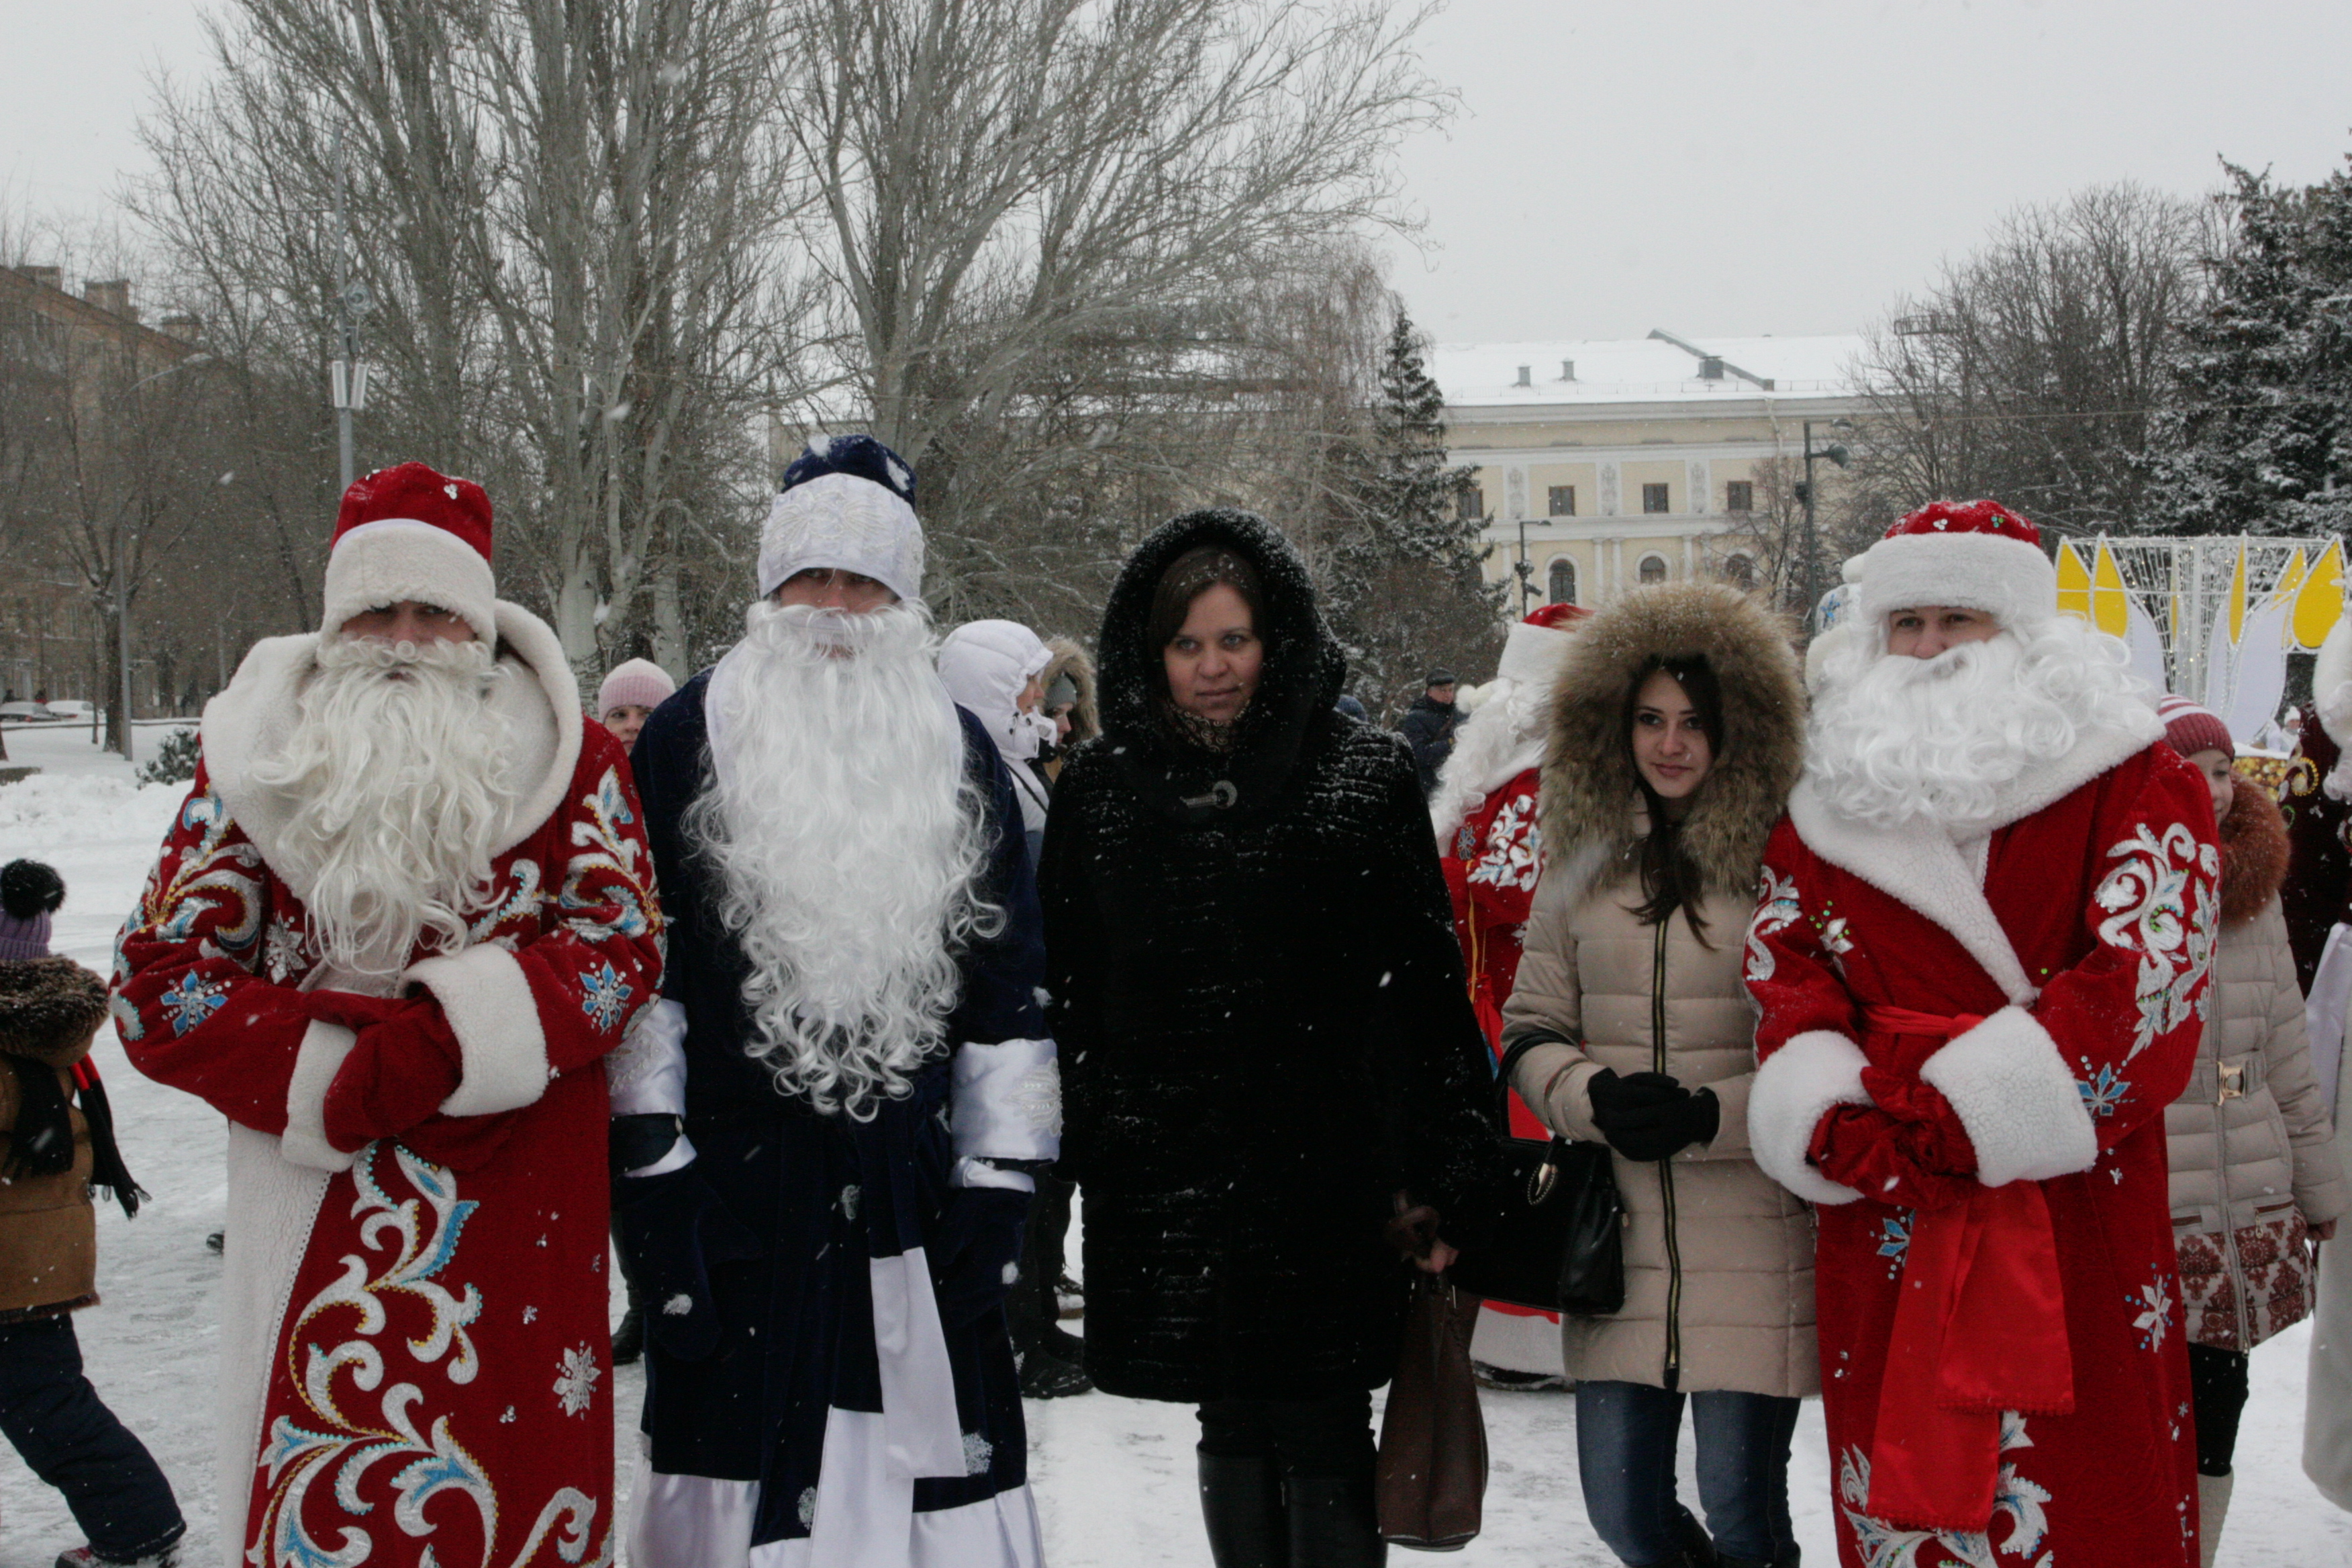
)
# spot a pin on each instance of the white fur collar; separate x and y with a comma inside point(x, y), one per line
point(253, 717)
point(1926, 871)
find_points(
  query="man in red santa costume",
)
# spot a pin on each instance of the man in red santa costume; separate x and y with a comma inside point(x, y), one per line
point(403, 914)
point(1484, 810)
point(1979, 957)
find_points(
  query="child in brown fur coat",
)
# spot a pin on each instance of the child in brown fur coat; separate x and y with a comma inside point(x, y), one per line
point(51, 1154)
point(2256, 1178)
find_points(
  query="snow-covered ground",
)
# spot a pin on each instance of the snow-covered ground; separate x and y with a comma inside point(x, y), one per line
point(1114, 1477)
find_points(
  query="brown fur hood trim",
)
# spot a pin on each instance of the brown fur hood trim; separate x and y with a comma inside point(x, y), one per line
point(1590, 792)
point(49, 1007)
point(1070, 660)
point(2253, 852)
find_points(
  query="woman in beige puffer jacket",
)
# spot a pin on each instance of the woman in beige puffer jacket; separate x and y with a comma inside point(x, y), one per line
point(1681, 707)
point(2255, 1176)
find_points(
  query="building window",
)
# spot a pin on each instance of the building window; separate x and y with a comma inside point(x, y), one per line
point(1563, 504)
point(1653, 498)
point(1470, 503)
point(1653, 567)
point(1740, 570)
point(1739, 495)
point(1563, 580)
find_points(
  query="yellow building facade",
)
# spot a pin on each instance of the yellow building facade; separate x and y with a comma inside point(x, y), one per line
point(1613, 463)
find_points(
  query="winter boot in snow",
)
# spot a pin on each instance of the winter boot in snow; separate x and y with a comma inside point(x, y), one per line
point(629, 1339)
point(1334, 1524)
point(83, 1557)
point(1044, 1375)
point(2213, 1508)
point(1241, 1504)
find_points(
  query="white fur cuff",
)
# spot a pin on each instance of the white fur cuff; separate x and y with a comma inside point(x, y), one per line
point(1798, 1085)
point(316, 1062)
point(1007, 1102)
point(2017, 1097)
point(488, 1001)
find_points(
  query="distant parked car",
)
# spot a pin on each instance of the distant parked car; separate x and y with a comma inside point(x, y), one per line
point(28, 712)
point(70, 708)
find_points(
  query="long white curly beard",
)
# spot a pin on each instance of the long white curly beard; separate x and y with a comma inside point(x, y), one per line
point(1897, 740)
point(395, 791)
point(848, 844)
point(1501, 740)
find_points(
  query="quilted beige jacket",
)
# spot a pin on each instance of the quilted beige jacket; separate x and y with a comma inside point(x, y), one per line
point(1719, 1256)
point(2251, 1145)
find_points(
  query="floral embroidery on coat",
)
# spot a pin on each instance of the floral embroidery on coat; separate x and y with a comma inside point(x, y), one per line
point(2148, 911)
point(1886, 1546)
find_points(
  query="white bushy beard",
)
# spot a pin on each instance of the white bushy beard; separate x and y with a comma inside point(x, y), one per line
point(1896, 741)
point(848, 844)
point(1507, 728)
point(395, 791)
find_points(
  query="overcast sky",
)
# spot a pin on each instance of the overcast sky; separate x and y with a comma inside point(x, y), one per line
point(1730, 167)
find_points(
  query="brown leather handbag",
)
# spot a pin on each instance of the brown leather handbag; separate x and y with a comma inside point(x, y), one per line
point(1433, 1468)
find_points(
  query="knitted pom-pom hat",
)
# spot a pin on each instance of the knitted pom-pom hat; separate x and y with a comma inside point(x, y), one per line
point(409, 533)
point(1978, 557)
point(29, 893)
point(2189, 729)
point(845, 505)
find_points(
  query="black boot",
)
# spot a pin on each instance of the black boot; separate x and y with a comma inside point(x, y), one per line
point(1240, 1504)
point(629, 1339)
point(1697, 1546)
point(1333, 1523)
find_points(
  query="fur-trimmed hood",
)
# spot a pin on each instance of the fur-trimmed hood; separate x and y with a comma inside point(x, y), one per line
point(1070, 660)
point(1590, 792)
point(2253, 852)
point(48, 1009)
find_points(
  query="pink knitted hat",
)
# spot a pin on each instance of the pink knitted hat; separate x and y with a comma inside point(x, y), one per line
point(638, 683)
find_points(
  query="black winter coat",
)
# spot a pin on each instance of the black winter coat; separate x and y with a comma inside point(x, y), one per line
point(1428, 728)
point(1261, 1016)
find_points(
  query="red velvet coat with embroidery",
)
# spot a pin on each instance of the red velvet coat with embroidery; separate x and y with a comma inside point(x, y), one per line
point(2108, 900)
point(1491, 868)
point(433, 1384)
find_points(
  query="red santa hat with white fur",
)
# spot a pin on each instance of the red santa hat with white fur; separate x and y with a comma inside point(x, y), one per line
point(409, 533)
point(1978, 555)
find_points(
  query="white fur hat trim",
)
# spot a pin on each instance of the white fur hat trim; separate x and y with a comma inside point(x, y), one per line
point(843, 524)
point(396, 558)
point(2008, 579)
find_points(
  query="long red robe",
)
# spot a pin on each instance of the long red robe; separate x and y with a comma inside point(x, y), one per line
point(413, 1353)
point(2097, 912)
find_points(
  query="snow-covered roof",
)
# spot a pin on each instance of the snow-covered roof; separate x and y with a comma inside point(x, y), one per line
point(1642, 370)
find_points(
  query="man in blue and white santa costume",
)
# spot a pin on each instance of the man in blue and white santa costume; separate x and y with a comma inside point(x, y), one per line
point(824, 1132)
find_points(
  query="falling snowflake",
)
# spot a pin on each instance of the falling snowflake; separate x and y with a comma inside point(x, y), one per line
point(192, 1001)
point(575, 1386)
point(2103, 1093)
point(602, 996)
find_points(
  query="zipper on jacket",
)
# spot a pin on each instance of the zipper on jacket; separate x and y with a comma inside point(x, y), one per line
point(1673, 1369)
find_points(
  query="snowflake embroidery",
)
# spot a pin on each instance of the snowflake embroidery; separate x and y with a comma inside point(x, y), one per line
point(1777, 907)
point(1884, 1546)
point(602, 996)
point(1894, 1241)
point(1837, 938)
point(2150, 913)
point(2103, 1093)
point(977, 1453)
point(849, 1196)
point(2153, 1303)
point(192, 1001)
point(1037, 1097)
point(807, 1510)
point(575, 1386)
point(1514, 854)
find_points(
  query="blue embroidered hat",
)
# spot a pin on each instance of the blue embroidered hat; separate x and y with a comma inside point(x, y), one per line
point(846, 504)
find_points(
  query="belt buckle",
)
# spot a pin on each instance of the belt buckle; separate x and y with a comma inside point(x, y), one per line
point(2232, 1080)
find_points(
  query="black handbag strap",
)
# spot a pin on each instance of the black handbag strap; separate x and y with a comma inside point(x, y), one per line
point(1512, 1053)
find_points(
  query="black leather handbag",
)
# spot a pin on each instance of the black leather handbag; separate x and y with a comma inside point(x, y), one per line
point(1559, 1247)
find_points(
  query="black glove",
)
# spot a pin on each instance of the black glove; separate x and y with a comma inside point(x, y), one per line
point(672, 1230)
point(1650, 1116)
point(975, 1251)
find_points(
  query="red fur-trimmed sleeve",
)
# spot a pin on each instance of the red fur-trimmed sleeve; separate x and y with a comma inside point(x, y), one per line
point(191, 1003)
point(528, 1012)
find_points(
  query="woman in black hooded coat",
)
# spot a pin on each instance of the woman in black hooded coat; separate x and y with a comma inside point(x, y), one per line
point(1265, 1038)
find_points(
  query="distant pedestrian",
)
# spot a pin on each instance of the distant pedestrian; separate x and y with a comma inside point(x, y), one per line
point(1429, 725)
point(2254, 1175)
point(50, 1010)
point(1069, 701)
point(994, 670)
point(629, 696)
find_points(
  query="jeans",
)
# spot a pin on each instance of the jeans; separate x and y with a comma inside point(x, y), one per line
point(1319, 1439)
point(73, 1442)
point(1626, 1434)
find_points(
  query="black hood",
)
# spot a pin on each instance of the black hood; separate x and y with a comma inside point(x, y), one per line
point(1303, 674)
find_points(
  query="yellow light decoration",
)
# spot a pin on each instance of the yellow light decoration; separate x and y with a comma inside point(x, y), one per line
point(2319, 602)
point(2073, 585)
point(2110, 600)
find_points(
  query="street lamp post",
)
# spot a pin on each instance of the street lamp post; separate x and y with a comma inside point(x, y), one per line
point(1837, 453)
point(1526, 573)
